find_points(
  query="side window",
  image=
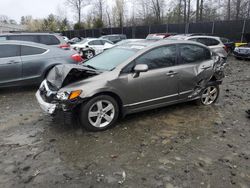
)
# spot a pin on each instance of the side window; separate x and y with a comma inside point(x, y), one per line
point(105, 41)
point(159, 57)
point(49, 40)
point(208, 41)
point(9, 50)
point(30, 38)
point(213, 42)
point(193, 53)
point(29, 50)
point(95, 42)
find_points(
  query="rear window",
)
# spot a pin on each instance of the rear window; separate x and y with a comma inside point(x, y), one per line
point(9, 50)
point(208, 41)
point(95, 42)
point(30, 50)
point(29, 38)
point(49, 40)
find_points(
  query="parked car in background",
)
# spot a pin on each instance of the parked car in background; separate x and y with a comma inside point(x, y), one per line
point(127, 41)
point(128, 79)
point(66, 39)
point(75, 40)
point(90, 47)
point(114, 38)
point(52, 39)
point(214, 43)
point(159, 36)
point(230, 45)
point(26, 63)
point(242, 52)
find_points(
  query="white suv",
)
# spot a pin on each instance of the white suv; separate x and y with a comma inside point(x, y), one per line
point(214, 43)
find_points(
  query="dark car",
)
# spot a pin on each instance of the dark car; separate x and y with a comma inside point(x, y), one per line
point(230, 45)
point(132, 78)
point(114, 38)
point(27, 63)
point(51, 39)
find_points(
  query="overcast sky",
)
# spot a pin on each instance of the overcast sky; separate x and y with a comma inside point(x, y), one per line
point(14, 9)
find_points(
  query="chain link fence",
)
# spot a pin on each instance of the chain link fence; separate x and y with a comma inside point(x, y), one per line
point(234, 30)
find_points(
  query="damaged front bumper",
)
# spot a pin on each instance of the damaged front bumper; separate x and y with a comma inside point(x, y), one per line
point(46, 99)
point(46, 107)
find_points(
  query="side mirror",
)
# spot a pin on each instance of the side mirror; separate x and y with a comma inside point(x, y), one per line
point(141, 68)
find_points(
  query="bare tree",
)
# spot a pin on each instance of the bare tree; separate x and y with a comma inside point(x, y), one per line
point(99, 7)
point(185, 11)
point(228, 9)
point(238, 3)
point(77, 5)
point(197, 10)
point(119, 11)
point(201, 9)
point(188, 11)
point(157, 7)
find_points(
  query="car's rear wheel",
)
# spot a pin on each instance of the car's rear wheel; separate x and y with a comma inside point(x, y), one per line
point(89, 54)
point(209, 95)
point(99, 113)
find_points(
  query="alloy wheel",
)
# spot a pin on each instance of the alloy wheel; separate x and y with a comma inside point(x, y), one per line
point(209, 95)
point(101, 113)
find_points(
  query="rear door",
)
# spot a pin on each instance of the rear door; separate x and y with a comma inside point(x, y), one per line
point(34, 60)
point(195, 68)
point(10, 63)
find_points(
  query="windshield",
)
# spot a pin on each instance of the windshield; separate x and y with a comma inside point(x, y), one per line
point(110, 59)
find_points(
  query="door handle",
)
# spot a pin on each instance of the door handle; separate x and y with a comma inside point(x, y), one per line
point(12, 62)
point(171, 73)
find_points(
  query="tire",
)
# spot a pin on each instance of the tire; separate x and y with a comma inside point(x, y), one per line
point(89, 54)
point(209, 95)
point(99, 113)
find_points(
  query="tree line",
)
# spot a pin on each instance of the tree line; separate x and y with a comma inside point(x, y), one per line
point(120, 13)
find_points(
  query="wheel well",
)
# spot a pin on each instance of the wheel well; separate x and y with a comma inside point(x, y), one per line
point(116, 97)
point(213, 79)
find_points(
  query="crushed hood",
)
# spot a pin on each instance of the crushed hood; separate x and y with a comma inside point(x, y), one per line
point(62, 75)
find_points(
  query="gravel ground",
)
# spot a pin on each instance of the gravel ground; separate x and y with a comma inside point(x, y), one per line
point(178, 146)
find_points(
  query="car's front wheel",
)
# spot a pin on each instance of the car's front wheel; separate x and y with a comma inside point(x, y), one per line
point(209, 95)
point(99, 113)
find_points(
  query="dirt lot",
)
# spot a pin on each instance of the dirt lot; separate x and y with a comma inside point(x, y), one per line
point(179, 146)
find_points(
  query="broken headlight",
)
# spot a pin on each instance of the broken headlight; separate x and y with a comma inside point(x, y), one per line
point(63, 95)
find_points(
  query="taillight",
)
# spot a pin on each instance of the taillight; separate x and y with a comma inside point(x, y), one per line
point(77, 58)
point(63, 46)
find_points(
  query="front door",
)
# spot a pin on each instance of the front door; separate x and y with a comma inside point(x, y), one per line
point(159, 84)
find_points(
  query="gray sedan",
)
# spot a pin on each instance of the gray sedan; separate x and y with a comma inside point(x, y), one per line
point(25, 63)
point(132, 78)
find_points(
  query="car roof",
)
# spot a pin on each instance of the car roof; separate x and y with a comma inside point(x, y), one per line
point(185, 37)
point(113, 35)
point(18, 42)
point(145, 45)
point(17, 33)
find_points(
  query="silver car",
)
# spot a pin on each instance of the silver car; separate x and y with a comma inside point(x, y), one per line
point(27, 63)
point(132, 78)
